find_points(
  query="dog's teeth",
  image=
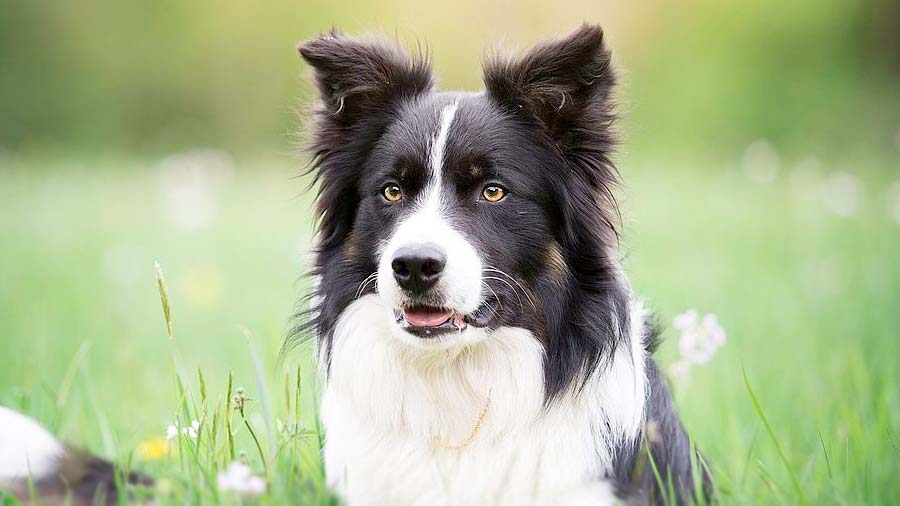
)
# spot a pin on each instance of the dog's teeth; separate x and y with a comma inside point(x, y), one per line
point(459, 322)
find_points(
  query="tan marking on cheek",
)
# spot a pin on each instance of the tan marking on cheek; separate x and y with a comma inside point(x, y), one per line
point(351, 249)
point(553, 257)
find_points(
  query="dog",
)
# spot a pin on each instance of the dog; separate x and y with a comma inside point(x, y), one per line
point(477, 337)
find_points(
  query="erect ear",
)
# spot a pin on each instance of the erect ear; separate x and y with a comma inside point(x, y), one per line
point(357, 76)
point(564, 84)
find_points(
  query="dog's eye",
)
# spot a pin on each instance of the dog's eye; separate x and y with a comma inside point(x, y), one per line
point(493, 193)
point(392, 193)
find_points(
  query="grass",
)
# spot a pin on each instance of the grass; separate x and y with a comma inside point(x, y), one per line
point(801, 405)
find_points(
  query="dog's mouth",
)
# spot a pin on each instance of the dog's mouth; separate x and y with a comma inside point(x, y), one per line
point(427, 321)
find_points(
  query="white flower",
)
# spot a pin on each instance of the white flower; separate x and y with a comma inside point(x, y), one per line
point(695, 349)
point(700, 337)
point(686, 321)
point(238, 477)
point(191, 431)
point(714, 331)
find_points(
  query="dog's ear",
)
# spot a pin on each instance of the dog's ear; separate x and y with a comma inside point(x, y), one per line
point(563, 84)
point(357, 77)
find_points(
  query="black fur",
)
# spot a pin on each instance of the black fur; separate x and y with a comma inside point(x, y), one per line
point(663, 443)
point(544, 129)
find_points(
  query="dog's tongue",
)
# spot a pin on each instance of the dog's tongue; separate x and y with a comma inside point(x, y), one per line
point(426, 317)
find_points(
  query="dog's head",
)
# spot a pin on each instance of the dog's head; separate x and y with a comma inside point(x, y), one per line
point(468, 212)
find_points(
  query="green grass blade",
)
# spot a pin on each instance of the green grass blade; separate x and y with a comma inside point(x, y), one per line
point(759, 411)
point(164, 298)
point(202, 387)
point(660, 484)
point(749, 460)
point(229, 434)
point(827, 459)
point(265, 404)
point(65, 386)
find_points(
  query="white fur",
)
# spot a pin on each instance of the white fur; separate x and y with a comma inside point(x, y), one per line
point(26, 448)
point(439, 143)
point(385, 402)
point(427, 224)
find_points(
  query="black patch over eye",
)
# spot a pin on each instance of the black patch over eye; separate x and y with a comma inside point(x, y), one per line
point(493, 193)
point(392, 193)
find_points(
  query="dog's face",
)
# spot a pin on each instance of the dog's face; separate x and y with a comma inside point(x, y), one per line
point(454, 205)
point(469, 212)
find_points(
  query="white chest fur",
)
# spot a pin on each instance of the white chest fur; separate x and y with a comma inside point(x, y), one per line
point(402, 424)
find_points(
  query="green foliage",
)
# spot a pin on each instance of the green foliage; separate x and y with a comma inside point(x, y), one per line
point(7, 500)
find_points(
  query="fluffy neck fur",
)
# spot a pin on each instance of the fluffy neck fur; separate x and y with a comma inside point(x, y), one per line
point(385, 403)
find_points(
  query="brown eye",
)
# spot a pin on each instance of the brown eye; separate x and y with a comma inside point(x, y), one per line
point(392, 193)
point(493, 193)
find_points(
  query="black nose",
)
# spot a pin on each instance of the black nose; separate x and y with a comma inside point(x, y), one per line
point(417, 268)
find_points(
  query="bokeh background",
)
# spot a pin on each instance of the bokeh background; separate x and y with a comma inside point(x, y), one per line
point(762, 170)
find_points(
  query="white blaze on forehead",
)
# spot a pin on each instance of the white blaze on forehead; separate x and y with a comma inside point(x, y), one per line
point(448, 112)
point(460, 282)
point(432, 195)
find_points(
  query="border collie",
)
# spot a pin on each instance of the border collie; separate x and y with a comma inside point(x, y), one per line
point(478, 339)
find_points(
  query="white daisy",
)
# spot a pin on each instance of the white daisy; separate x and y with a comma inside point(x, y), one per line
point(699, 341)
point(190, 431)
point(239, 478)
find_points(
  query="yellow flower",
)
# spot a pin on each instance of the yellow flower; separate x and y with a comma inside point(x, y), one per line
point(154, 448)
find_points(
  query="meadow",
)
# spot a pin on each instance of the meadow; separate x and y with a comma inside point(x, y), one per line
point(798, 260)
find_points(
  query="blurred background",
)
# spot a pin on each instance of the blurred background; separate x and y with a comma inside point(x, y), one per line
point(144, 79)
point(762, 184)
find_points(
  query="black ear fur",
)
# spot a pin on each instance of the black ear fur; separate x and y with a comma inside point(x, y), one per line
point(358, 76)
point(564, 84)
point(360, 81)
point(563, 88)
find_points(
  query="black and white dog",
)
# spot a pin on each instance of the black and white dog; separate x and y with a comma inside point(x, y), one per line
point(34, 461)
point(478, 338)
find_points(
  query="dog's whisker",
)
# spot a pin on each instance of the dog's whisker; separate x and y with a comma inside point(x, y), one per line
point(514, 290)
point(507, 283)
point(500, 304)
point(514, 280)
point(365, 282)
